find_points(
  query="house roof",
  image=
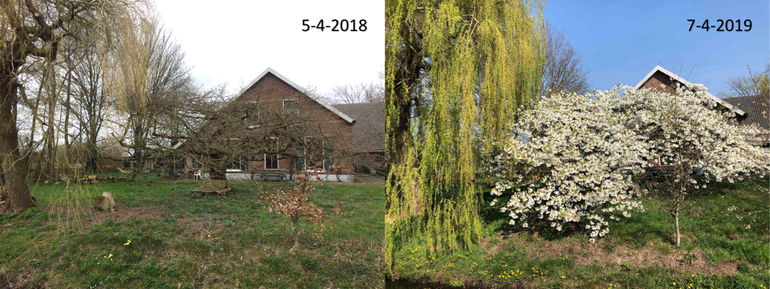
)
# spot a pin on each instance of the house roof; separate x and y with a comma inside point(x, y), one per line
point(369, 130)
point(687, 84)
point(298, 88)
point(756, 111)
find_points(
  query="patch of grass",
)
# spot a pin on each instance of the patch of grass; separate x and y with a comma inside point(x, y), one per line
point(724, 230)
point(181, 241)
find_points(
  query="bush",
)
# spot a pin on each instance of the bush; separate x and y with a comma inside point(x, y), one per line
point(573, 158)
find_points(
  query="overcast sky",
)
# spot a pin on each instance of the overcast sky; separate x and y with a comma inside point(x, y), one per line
point(231, 41)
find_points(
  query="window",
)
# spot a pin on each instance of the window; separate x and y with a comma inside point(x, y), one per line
point(300, 162)
point(291, 105)
point(313, 153)
point(240, 163)
point(318, 154)
point(252, 114)
point(271, 160)
point(328, 151)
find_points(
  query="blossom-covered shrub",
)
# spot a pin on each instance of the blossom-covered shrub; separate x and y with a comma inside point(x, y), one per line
point(573, 158)
point(569, 161)
point(691, 131)
point(692, 140)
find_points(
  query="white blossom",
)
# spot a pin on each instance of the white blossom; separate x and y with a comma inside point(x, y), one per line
point(570, 160)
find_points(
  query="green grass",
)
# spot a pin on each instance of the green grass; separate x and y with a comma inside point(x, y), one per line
point(718, 250)
point(180, 241)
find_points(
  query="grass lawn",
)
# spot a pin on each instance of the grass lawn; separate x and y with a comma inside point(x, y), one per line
point(178, 241)
point(726, 244)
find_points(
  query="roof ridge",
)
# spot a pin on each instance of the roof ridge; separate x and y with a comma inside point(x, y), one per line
point(295, 86)
point(687, 84)
point(734, 97)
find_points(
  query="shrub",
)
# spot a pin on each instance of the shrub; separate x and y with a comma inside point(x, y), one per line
point(565, 162)
point(573, 158)
point(295, 205)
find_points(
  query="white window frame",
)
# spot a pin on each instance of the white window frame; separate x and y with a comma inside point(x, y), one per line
point(291, 99)
point(241, 159)
point(323, 151)
point(248, 125)
point(277, 157)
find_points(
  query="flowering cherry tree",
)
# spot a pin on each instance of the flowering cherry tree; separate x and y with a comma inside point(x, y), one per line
point(294, 204)
point(573, 158)
point(691, 141)
point(566, 163)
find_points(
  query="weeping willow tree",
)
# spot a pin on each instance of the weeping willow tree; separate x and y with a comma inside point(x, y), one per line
point(457, 72)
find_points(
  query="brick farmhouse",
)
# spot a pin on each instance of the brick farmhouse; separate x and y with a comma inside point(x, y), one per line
point(749, 110)
point(329, 130)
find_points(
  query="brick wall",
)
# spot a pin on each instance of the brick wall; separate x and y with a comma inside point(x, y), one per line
point(658, 79)
point(270, 92)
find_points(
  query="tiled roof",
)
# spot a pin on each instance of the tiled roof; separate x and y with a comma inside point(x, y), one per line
point(369, 129)
point(757, 109)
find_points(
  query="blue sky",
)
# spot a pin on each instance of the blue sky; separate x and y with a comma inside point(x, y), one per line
point(621, 41)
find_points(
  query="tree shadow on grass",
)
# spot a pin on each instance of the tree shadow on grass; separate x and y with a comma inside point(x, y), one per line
point(498, 222)
point(638, 230)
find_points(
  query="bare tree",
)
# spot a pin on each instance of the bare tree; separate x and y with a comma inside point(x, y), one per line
point(359, 93)
point(32, 30)
point(89, 102)
point(152, 74)
point(564, 70)
point(754, 84)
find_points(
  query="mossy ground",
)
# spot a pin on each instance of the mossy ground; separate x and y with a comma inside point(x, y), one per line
point(178, 241)
point(725, 230)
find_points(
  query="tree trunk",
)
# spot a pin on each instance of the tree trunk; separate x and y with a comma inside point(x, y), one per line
point(15, 195)
point(139, 149)
point(67, 144)
point(93, 151)
point(138, 168)
point(676, 221)
point(295, 222)
point(49, 161)
point(91, 157)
